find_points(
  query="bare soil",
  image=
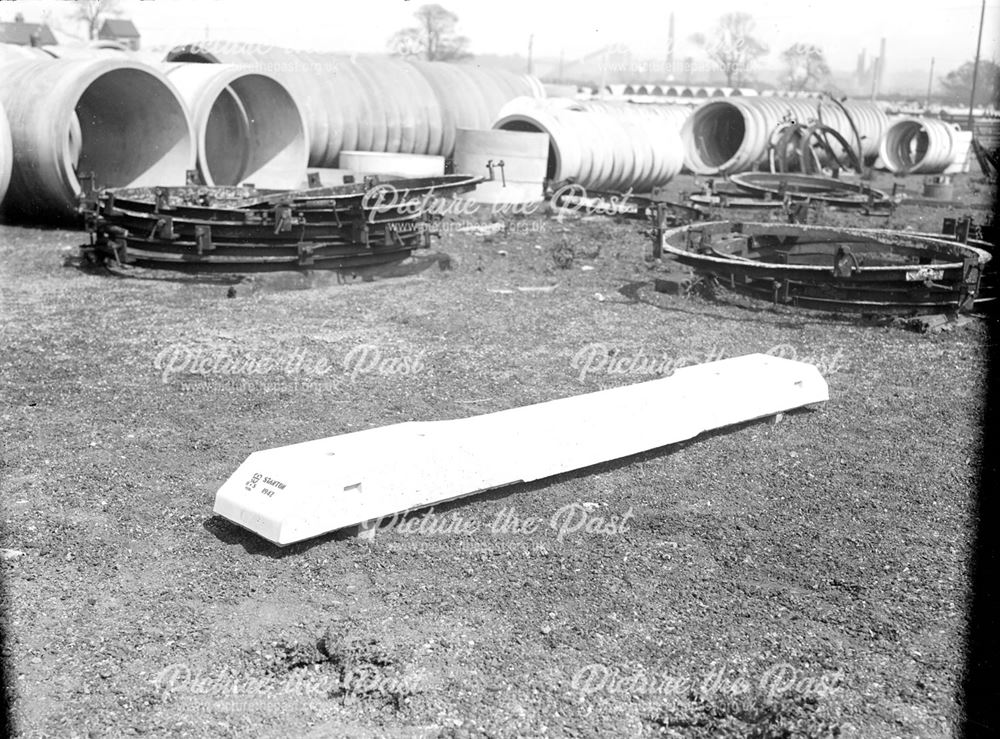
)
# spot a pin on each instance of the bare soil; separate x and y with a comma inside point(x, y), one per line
point(806, 577)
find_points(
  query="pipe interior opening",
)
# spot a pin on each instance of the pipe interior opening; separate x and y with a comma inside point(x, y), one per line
point(133, 132)
point(254, 133)
point(718, 134)
point(552, 165)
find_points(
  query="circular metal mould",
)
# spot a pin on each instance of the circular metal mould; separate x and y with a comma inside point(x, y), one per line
point(808, 187)
point(853, 269)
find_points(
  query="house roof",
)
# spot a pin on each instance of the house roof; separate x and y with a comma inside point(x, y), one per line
point(119, 28)
point(21, 33)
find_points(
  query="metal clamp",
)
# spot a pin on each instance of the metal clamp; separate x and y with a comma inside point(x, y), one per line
point(203, 239)
point(162, 199)
point(282, 217)
point(497, 163)
point(162, 229)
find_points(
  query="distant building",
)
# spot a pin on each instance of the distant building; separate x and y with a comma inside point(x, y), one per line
point(121, 30)
point(26, 34)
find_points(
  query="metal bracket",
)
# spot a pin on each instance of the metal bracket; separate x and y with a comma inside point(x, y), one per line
point(162, 199)
point(313, 180)
point(844, 262)
point(203, 239)
point(192, 177)
point(282, 217)
point(497, 163)
point(109, 205)
point(163, 229)
point(88, 200)
point(306, 255)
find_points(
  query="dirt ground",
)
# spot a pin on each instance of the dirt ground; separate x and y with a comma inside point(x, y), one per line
point(806, 577)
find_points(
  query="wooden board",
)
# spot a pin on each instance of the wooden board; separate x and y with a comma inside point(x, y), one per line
point(297, 492)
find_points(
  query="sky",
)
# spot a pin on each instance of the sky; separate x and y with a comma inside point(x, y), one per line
point(915, 31)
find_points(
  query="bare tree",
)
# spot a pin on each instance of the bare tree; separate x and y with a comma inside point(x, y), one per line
point(732, 46)
point(433, 38)
point(92, 13)
point(958, 84)
point(806, 66)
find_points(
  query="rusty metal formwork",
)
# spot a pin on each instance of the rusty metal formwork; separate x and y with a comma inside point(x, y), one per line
point(245, 229)
point(838, 269)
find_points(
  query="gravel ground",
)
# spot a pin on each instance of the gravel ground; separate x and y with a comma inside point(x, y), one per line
point(806, 577)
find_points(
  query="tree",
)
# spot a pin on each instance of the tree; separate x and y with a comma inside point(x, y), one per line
point(958, 84)
point(732, 46)
point(433, 38)
point(91, 13)
point(807, 67)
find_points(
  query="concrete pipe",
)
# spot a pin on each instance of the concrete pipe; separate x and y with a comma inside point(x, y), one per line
point(374, 103)
point(6, 154)
point(449, 117)
point(296, 71)
point(919, 146)
point(524, 157)
point(417, 101)
point(14, 53)
point(564, 161)
point(733, 135)
point(401, 165)
point(134, 131)
point(249, 128)
point(375, 136)
point(602, 147)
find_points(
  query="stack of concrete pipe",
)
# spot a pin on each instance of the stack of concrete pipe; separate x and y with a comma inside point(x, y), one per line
point(603, 147)
point(370, 103)
point(145, 123)
point(923, 146)
point(120, 120)
point(733, 135)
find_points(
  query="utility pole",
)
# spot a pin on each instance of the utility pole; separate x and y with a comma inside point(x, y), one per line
point(531, 48)
point(930, 84)
point(975, 67)
point(670, 50)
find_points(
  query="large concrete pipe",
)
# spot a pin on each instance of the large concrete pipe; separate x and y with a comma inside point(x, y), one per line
point(6, 154)
point(919, 146)
point(376, 103)
point(14, 53)
point(603, 148)
point(521, 176)
point(249, 128)
point(300, 73)
point(733, 135)
point(134, 131)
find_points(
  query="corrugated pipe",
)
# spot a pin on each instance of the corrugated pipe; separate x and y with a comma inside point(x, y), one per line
point(6, 154)
point(374, 103)
point(120, 120)
point(919, 145)
point(610, 151)
point(732, 135)
point(248, 126)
